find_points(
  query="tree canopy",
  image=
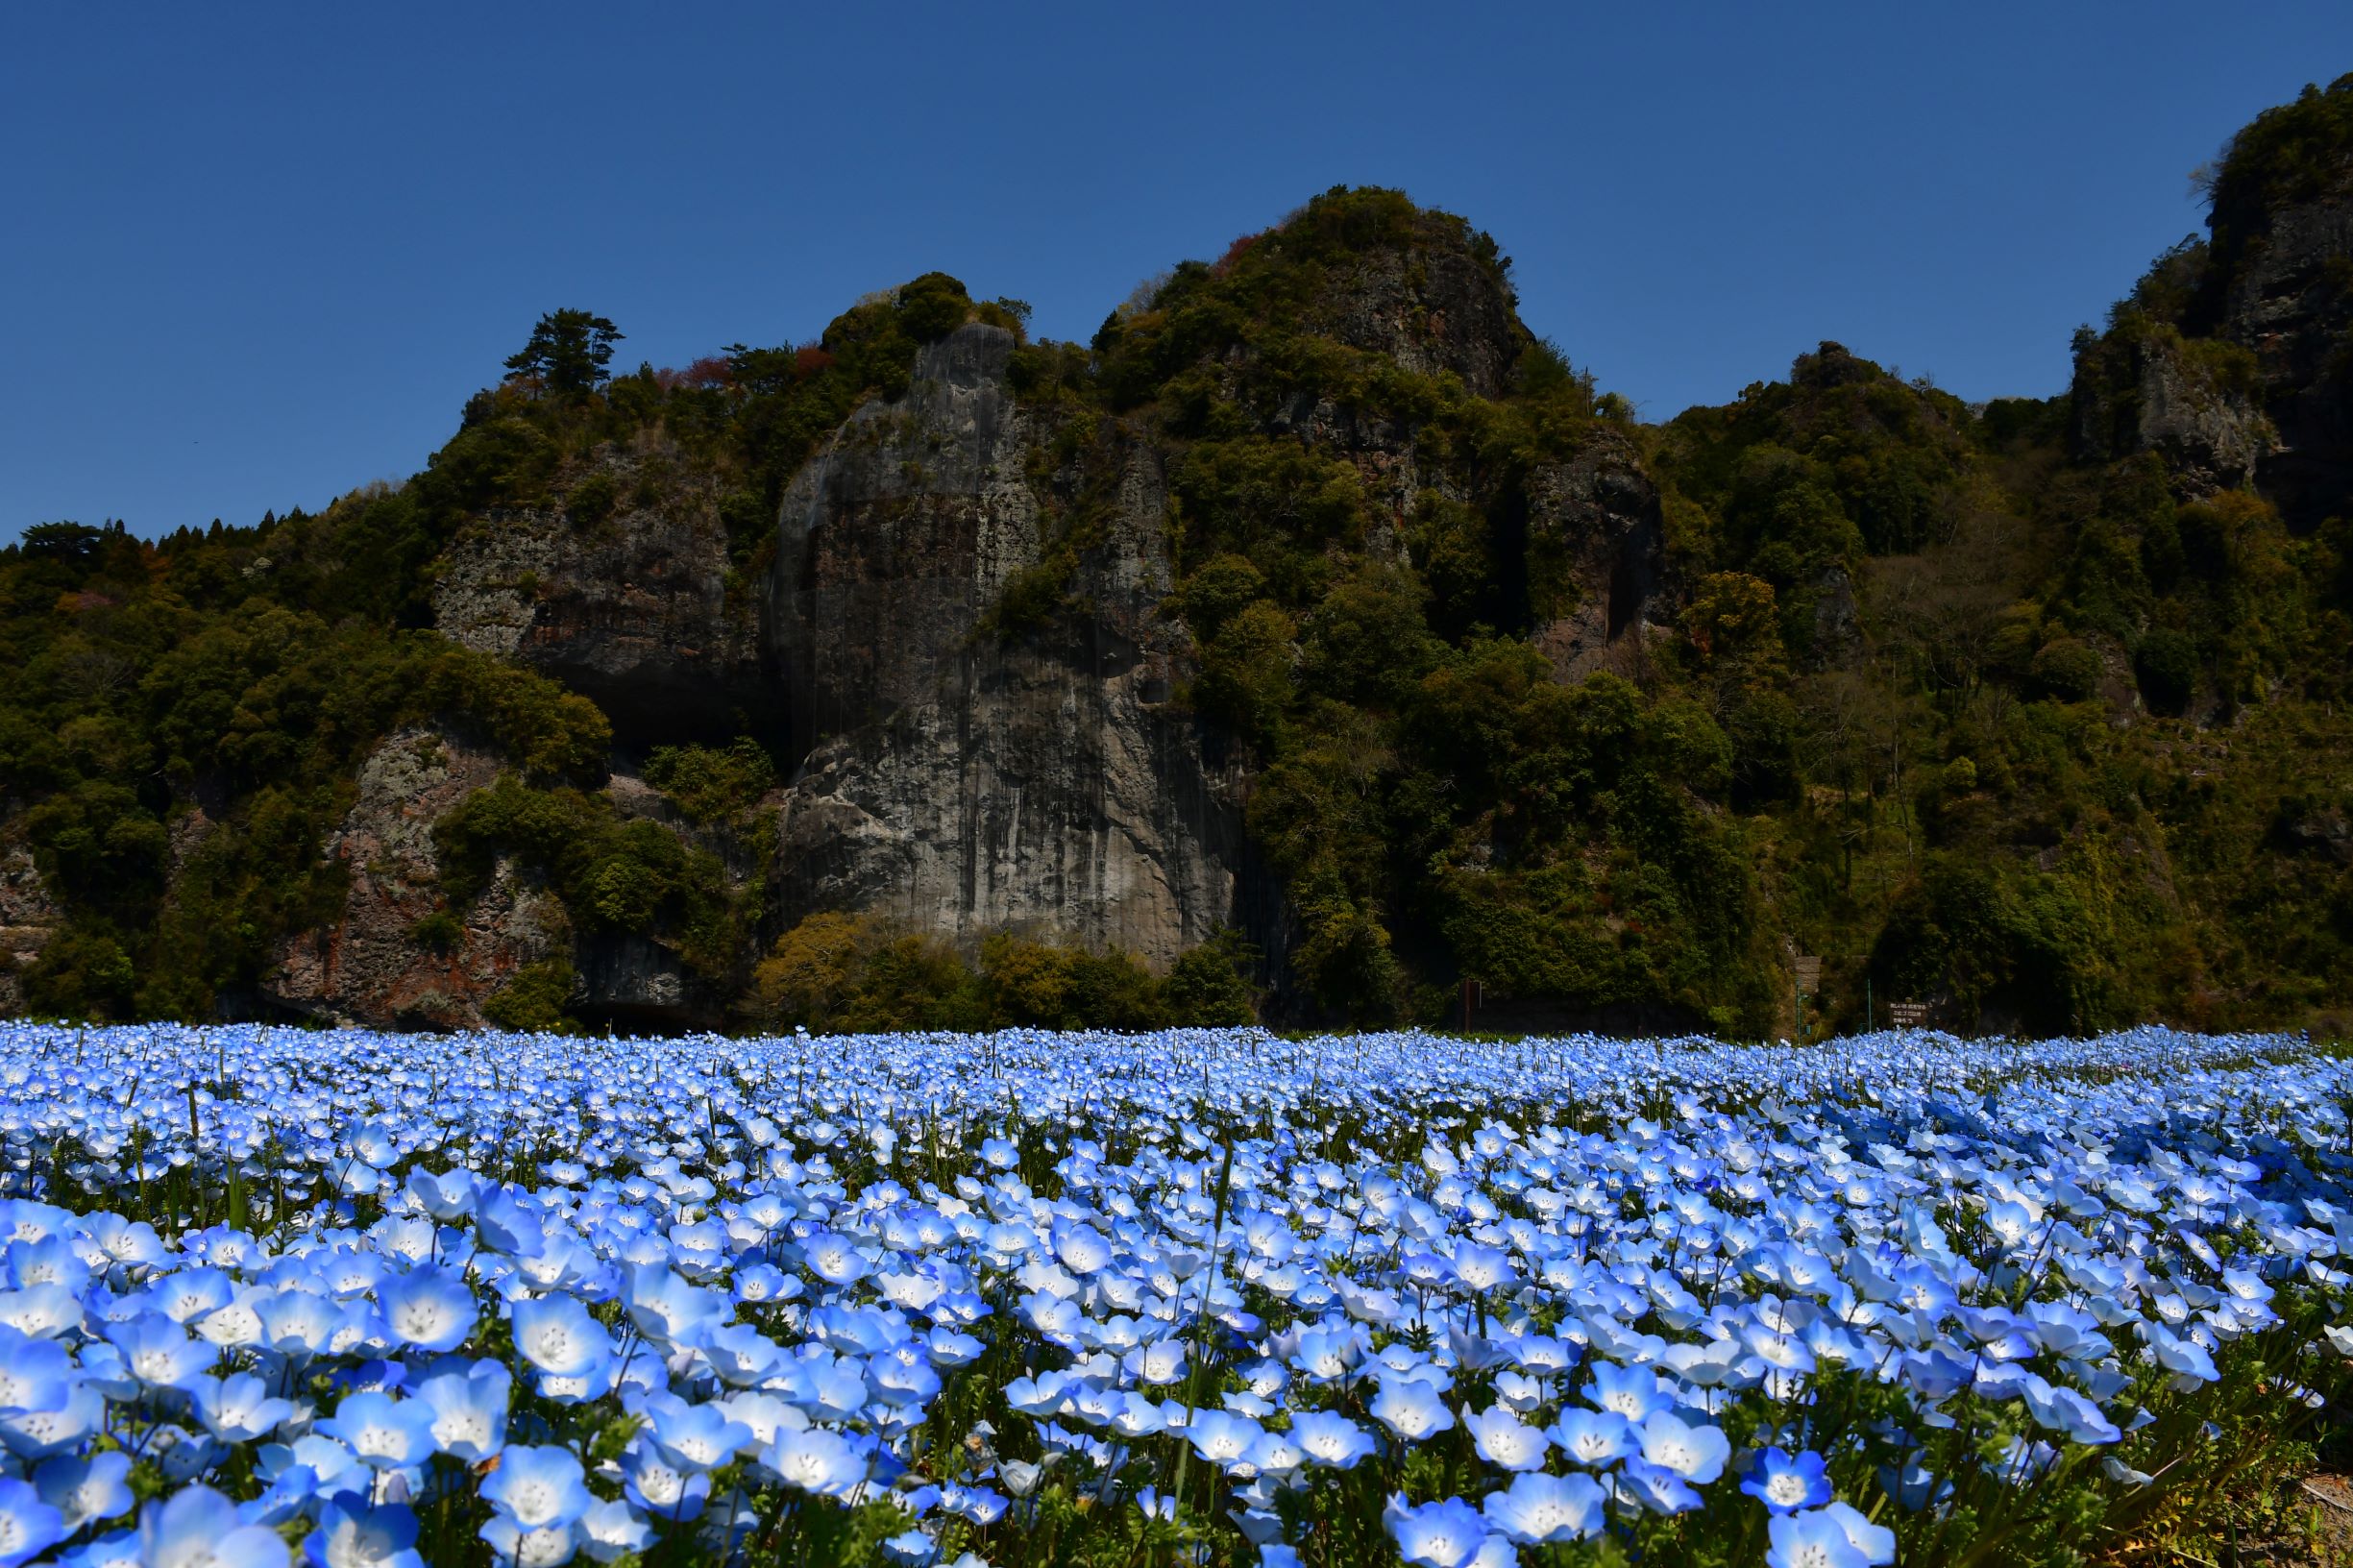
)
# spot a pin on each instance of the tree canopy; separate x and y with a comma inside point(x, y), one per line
point(569, 352)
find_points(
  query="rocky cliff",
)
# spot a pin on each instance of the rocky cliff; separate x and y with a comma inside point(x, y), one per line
point(381, 963)
point(1594, 521)
point(952, 766)
point(2234, 358)
point(2290, 304)
point(618, 588)
point(28, 916)
point(1314, 600)
point(2150, 390)
point(958, 778)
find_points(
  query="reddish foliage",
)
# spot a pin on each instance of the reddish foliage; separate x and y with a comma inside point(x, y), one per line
point(712, 370)
point(1235, 251)
point(810, 361)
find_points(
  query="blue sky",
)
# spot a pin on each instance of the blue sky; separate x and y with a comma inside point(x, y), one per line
point(259, 255)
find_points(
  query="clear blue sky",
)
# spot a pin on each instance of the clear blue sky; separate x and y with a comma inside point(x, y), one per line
point(258, 255)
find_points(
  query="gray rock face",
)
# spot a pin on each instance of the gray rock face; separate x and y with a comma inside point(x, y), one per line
point(631, 608)
point(1597, 550)
point(2292, 302)
point(2284, 295)
point(1432, 310)
point(959, 781)
point(2146, 395)
point(28, 917)
point(897, 537)
point(951, 774)
point(369, 968)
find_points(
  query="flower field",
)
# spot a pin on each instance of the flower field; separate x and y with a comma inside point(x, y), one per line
point(1193, 1297)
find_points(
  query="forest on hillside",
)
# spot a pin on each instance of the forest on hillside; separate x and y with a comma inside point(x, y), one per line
point(2012, 709)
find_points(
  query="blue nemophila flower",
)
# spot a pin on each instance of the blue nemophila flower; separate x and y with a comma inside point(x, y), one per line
point(446, 1196)
point(505, 1224)
point(912, 1547)
point(1503, 1439)
point(1593, 1438)
point(1697, 1266)
point(1811, 1540)
point(835, 1258)
point(1633, 1392)
point(354, 1537)
point(197, 1528)
point(610, 1531)
point(30, 1523)
point(1159, 1363)
point(1411, 1409)
point(1785, 1482)
point(1483, 1269)
point(469, 1409)
point(1877, 1542)
point(156, 1351)
point(667, 1309)
point(538, 1487)
point(296, 1324)
point(429, 1309)
point(1221, 1437)
point(86, 1489)
point(34, 1374)
point(42, 1312)
point(1448, 1533)
point(1653, 1487)
point(526, 1546)
point(817, 1460)
point(238, 1408)
point(2063, 1409)
point(1537, 1508)
point(694, 1437)
point(1325, 1355)
point(1329, 1441)
point(557, 1336)
point(384, 1432)
point(663, 1489)
point(2180, 1355)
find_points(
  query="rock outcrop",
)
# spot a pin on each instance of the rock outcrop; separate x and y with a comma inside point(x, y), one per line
point(1597, 548)
point(953, 765)
point(2290, 303)
point(1434, 310)
point(621, 594)
point(28, 917)
point(2146, 391)
point(2234, 358)
point(960, 778)
point(373, 967)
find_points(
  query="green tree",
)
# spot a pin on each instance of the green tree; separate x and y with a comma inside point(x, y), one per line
point(568, 351)
point(1209, 985)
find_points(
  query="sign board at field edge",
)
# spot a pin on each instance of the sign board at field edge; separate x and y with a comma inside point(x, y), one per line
point(1907, 1014)
point(1810, 974)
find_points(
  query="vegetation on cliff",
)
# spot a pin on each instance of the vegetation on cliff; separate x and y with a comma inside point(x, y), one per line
point(2005, 708)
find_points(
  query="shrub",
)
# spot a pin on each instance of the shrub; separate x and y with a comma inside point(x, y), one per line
point(534, 998)
point(810, 976)
point(2067, 669)
point(1209, 985)
point(2167, 665)
point(439, 932)
point(591, 502)
point(712, 783)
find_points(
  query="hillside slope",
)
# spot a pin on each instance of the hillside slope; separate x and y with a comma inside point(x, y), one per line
point(1314, 639)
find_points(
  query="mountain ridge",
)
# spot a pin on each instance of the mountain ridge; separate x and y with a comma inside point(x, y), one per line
point(1315, 639)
